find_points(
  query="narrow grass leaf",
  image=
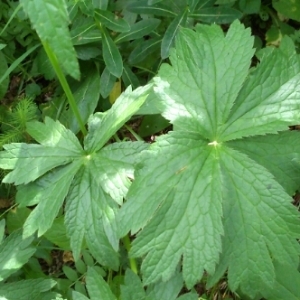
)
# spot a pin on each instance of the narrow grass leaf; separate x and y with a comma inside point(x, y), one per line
point(111, 21)
point(218, 15)
point(157, 9)
point(111, 55)
point(171, 32)
point(138, 30)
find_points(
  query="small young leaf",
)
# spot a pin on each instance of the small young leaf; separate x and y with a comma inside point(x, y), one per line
point(88, 259)
point(78, 296)
point(133, 287)
point(111, 55)
point(109, 20)
point(80, 287)
point(80, 266)
point(70, 273)
point(97, 287)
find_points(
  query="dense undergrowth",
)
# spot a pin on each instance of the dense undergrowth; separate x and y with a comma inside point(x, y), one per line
point(149, 149)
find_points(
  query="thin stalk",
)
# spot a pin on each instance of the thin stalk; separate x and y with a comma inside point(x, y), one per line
point(136, 136)
point(132, 261)
point(11, 18)
point(65, 86)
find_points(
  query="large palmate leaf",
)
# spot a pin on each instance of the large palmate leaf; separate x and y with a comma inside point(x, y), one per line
point(92, 179)
point(205, 197)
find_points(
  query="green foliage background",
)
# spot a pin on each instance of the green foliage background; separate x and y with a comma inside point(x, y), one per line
point(148, 144)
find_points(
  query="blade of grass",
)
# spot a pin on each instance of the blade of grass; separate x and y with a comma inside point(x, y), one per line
point(65, 86)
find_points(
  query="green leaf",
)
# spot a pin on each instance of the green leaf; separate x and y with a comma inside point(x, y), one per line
point(70, 273)
point(26, 289)
point(268, 101)
point(209, 76)
point(2, 230)
point(278, 153)
point(5, 81)
point(50, 19)
point(166, 290)
point(97, 287)
point(171, 32)
point(250, 6)
point(257, 210)
point(195, 198)
point(133, 287)
point(107, 82)
point(129, 78)
point(111, 54)
point(288, 8)
point(219, 15)
point(175, 159)
point(138, 30)
point(86, 96)
point(52, 191)
point(78, 296)
point(287, 283)
point(16, 218)
point(59, 146)
point(57, 234)
point(85, 206)
point(109, 20)
point(124, 107)
point(158, 9)
point(143, 50)
point(14, 253)
point(152, 124)
point(99, 187)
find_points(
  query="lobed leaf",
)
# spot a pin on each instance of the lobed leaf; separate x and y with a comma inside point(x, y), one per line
point(86, 205)
point(195, 196)
point(210, 79)
point(178, 219)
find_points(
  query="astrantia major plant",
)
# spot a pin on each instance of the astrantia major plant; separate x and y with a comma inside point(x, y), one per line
point(216, 190)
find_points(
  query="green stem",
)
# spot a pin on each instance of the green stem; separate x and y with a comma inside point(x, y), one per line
point(65, 86)
point(136, 136)
point(132, 261)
